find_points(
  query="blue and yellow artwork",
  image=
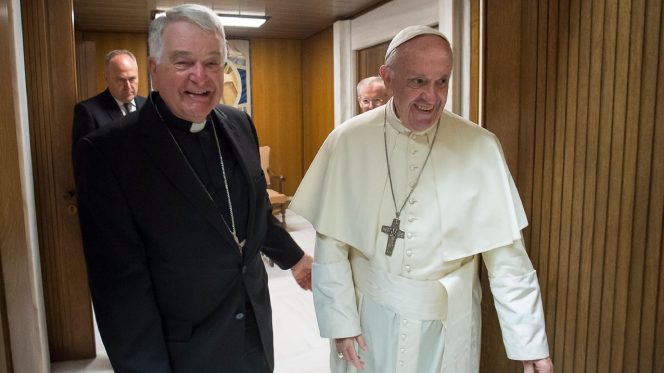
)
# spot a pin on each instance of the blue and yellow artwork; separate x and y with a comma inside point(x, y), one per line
point(237, 76)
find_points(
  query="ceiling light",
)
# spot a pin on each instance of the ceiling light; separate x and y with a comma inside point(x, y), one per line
point(232, 20)
point(241, 21)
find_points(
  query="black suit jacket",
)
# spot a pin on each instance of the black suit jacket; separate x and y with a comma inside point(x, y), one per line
point(168, 284)
point(96, 112)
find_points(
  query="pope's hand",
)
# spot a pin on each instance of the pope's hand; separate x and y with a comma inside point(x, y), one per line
point(302, 272)
point(542, 365)
point(346, 349)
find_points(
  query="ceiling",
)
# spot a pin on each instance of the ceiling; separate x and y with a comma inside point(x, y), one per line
point(289, 19)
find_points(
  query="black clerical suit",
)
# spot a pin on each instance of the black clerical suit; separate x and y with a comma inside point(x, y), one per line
point(171, 290)
point(96, 112)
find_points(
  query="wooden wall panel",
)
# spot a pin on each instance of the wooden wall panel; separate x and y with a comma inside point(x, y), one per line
point(475, 61)
point(590, 168)
point(86, 70)
point(370, 59)
point(492, 344)
point(137, 43)
point(276, 70)
point(51, 83)
point(317, 93)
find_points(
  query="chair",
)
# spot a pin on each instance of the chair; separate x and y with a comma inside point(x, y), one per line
point(275, 184)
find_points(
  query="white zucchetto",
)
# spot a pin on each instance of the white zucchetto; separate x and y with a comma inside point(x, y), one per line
point(409, 33)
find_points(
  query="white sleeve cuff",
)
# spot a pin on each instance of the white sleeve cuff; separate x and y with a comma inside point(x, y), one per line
point(334, 300)
point(519, 306)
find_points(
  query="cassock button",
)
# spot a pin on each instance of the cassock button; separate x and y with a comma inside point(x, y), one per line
point(402, 350)
point(414, 151)
point(409, 235)
point(244, 269)
point(411, 219)
point(403, 337)
point(412, 201)
point(401, 362)
point(409, 252)
point(239, 316)
point(407, 268)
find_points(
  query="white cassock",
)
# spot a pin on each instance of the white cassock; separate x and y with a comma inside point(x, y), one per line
point(419, 308)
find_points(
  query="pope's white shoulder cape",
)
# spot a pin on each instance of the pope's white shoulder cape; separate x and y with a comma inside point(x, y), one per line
point(342, 191)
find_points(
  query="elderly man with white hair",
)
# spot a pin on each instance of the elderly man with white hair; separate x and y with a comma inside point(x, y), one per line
point(371, 93)
point(404, 199)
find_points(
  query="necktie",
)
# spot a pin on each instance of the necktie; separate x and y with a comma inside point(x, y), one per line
point(127, 107)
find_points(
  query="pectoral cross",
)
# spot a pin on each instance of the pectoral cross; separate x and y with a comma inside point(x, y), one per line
point(393, 233)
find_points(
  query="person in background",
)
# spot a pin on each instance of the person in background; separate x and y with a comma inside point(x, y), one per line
point(371, 93)
point(404, 199)
point(117, 100)
point(174, 216)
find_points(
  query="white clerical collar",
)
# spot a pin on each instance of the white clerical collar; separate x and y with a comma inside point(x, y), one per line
point(197, 127)
point(395, 122)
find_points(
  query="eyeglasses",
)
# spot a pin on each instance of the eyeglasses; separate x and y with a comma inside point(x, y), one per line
point(375, 101)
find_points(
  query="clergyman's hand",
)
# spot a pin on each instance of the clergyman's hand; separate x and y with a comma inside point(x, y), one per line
point(541, 365)
point(346, 349)
point(302, 272)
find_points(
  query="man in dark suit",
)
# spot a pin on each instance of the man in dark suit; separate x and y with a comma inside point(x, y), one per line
point(174, 216)
point(119, 99)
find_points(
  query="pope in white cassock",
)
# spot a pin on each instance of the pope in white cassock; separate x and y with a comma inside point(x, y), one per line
point(403, 199)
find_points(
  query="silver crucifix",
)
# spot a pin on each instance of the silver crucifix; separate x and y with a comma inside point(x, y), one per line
point(393, 233)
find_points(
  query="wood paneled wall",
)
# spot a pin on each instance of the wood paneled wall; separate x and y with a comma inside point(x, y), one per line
point(370, 59)
point(105, 42)
point(48, 34)
point(475, 61)
point(575, 91)
point(317, 93)
point(86, 68)
point(276, 76)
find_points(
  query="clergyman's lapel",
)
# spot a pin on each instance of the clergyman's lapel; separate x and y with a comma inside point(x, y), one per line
point(243, 153)
point(164, 151)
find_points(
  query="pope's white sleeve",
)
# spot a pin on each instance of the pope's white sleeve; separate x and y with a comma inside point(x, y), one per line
point(518, 302)
point(334, 292)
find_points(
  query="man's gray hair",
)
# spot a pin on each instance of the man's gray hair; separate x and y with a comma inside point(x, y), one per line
point(195, 14)
point(117, 52)
point(366, 81)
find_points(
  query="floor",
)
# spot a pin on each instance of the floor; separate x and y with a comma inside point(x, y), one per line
point(297, 345)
